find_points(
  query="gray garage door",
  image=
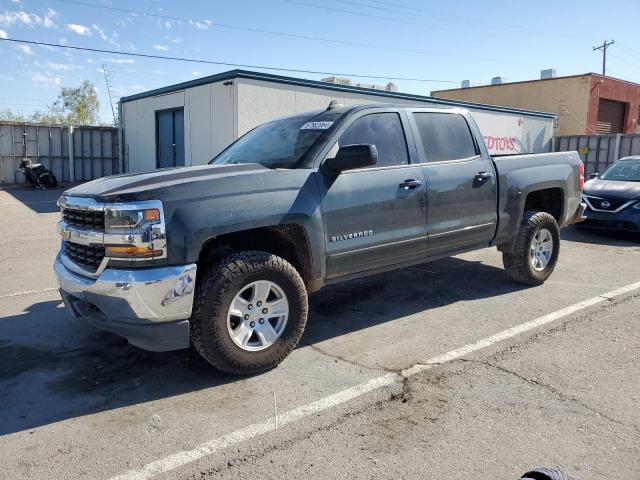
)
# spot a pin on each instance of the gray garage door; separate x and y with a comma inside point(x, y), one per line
point(170, 138)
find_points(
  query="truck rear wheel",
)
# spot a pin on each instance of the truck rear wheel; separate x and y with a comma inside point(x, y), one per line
point(534, 253)
point(249, 312)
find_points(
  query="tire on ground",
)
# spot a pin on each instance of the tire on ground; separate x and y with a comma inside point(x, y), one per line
point(517, 263)
point(215, 291)
point(546, 474)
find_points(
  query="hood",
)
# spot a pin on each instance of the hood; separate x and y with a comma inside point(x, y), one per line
point(612, 189)
point(146, 185)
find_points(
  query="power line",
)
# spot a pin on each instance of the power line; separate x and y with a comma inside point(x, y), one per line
point(227, 64)
point(283, 34)
point(493, 30)
point(632, 65)
point(628, 51)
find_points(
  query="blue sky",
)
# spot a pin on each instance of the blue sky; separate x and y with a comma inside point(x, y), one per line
point(450, 41)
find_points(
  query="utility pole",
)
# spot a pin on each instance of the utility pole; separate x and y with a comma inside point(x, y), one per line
point(604, 47)
point(106, 80)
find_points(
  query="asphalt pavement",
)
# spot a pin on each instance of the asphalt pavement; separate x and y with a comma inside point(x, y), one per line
point(76, 402)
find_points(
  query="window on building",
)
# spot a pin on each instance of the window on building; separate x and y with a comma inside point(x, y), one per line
point(445, 136)
point(384, 130)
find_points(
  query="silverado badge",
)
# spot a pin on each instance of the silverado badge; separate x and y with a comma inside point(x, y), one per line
point(349, 236)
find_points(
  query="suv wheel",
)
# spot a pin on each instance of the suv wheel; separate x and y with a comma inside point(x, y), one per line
point(249, 312)
point(535, 249)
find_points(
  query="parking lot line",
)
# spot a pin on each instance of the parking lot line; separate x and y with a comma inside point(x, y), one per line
point(185, 457)
point(28, 292)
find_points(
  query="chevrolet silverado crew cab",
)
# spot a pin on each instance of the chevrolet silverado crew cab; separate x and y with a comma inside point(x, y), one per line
point(223, 256)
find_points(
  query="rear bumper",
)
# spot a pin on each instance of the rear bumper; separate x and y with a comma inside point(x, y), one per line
point(149, 307)
point(580, 214)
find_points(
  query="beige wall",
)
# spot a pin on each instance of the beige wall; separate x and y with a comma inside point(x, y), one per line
point(572, 93)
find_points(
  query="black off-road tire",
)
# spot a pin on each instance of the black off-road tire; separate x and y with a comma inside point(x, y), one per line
point(517, 263)
point(215, 291)
point(546, 474)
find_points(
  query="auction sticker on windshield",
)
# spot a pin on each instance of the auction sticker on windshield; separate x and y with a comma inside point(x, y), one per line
point(316, 126)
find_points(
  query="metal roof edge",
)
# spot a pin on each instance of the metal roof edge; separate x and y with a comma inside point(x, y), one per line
point(268, 77)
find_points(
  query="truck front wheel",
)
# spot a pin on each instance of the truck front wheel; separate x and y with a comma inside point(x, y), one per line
point(534, 252)
point(249, 312)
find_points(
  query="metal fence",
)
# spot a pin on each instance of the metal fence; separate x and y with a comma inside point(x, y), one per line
point(599, 151)
point(73, 154)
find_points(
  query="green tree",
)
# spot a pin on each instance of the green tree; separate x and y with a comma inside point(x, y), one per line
point(76, 106)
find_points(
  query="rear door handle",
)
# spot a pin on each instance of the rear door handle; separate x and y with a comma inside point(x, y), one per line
point(410, 184)
point(484, 176)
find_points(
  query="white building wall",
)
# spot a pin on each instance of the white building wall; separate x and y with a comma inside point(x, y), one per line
point(209, 117)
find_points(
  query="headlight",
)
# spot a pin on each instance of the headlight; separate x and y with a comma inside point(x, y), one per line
point(136, 231)
point(128, 221)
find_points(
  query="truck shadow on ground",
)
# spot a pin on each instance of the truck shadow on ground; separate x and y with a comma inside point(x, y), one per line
point(40, 201)
point(54, 367)
point(595, 236)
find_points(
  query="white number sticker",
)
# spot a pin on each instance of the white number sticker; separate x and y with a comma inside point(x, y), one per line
point(316, 126)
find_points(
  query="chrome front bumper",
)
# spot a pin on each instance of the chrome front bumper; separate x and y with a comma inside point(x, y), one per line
point(148, 306)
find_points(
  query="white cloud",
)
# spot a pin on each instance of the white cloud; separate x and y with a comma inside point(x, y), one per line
point(63, 67)
point(3, 34)
point(79, 29)
point(30, 19)
point(177, 40)
point(203, 25)
point(122, 61)
point(26, 49)
point(47, 21)
point(167, 24)
point(100, 31)
point(162, 48)
point(45, 79)
point(89, 60)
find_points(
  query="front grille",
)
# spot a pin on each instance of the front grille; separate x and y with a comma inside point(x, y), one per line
point(88, 257)
point(88, 219)
point(610, 204)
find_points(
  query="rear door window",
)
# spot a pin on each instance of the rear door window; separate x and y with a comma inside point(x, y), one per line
point(445, 136)
point(384, 130)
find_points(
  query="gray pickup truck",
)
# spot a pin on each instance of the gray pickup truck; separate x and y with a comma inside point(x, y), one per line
point(223, 256)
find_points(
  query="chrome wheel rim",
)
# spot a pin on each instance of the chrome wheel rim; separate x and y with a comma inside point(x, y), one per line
point(258, 315)
point(541, 249)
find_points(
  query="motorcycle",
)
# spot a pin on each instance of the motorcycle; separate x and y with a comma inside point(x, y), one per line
point(38, 175)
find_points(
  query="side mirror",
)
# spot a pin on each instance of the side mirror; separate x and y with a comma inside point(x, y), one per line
point(350, 157)
point(594, 175)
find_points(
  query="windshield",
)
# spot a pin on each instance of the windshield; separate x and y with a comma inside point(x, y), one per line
point(623, 170)
point(279, 144)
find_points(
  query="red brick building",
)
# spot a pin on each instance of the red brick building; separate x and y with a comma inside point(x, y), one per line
point(585, 104)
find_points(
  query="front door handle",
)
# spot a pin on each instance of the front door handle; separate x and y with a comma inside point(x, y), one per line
point(410, 184)
point(484, 176)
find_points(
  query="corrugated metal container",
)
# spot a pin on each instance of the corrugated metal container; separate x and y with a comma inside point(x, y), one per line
point(95, 152)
